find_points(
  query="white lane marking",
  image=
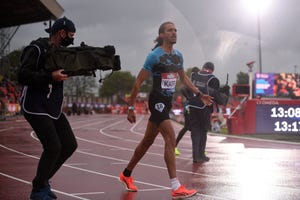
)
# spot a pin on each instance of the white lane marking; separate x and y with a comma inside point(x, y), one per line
point(85, 170)
point(87, 193)
point(29, 183)
point(223, 136)
point(102, 131)
point(6, 129)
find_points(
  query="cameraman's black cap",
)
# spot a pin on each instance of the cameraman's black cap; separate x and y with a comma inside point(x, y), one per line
point(209, 65)
point(61, 24)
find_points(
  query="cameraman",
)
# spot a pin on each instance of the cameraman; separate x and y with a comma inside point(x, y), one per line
point(41, 103)
point(208, 84)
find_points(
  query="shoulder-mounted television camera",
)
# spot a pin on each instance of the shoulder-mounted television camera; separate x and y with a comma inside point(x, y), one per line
point(82, 60)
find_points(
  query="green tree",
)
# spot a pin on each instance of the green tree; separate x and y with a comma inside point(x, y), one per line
point(242, 78)
point(9, 65)
point(79, 85)
point(119, 83)
point(189, 71)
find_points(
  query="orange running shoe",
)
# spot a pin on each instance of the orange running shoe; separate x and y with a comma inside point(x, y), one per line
point(182, 192)
point(128, 182)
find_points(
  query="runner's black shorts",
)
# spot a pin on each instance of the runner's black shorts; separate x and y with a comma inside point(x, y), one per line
point(159, 107)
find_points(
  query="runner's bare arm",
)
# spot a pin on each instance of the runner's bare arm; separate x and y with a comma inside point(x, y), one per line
point(142, 76)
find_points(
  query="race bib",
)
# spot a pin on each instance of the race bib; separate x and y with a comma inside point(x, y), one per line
point(168, 80)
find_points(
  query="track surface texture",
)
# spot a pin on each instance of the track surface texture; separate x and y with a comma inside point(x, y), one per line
point(239, 168)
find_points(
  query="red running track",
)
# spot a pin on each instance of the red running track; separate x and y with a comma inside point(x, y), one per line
point(239, 168)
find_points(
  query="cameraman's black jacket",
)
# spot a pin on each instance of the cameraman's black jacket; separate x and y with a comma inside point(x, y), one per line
point(208, 84)
point(41, 95)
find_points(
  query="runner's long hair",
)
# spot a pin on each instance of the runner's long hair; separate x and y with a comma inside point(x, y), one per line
point(159, 40)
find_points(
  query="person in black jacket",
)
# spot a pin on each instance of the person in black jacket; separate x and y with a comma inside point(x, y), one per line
point(208, 84)
point(41, 104)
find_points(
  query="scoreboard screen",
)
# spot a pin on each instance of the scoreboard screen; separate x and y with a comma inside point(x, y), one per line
point(277, 85)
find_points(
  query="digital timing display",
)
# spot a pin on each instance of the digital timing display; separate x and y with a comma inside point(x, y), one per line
point(278, 118)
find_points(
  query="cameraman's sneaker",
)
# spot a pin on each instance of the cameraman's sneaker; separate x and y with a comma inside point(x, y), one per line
point(182, 192)
point(128, 182)
point(41, 194)
point(49, 191)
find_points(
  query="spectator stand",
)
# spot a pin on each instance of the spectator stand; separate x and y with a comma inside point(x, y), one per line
point(9, 96)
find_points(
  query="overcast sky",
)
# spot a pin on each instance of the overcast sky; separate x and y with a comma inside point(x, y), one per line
point(221, 31)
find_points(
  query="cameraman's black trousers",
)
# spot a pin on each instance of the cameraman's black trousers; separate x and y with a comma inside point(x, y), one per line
point(58, 141)
point(199, 125)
